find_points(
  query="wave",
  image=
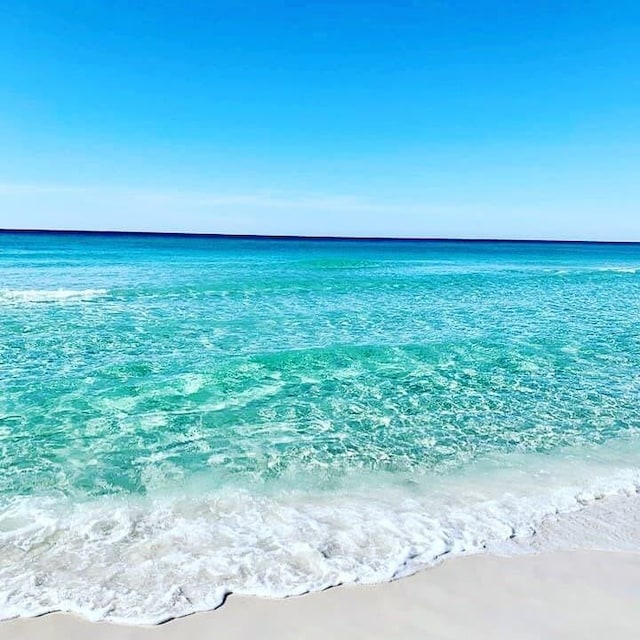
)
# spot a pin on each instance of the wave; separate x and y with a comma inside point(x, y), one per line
point(143, 561)
point(620, 269)
point(582, 270)
point(50, 295)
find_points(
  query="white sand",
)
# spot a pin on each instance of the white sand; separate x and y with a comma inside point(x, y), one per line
point(569, 594)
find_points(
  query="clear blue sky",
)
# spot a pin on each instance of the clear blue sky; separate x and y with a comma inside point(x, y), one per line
point(401, 118)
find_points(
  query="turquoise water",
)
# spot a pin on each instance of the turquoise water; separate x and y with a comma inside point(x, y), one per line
point(184, 417)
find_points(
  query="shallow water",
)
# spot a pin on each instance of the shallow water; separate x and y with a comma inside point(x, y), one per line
point(184, 417)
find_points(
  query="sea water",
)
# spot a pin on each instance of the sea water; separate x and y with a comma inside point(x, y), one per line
point(184, 417)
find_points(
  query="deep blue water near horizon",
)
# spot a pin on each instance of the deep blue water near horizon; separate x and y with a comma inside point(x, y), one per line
point(181, 417)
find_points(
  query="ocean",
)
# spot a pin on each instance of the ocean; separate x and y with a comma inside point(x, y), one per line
point(186, 417)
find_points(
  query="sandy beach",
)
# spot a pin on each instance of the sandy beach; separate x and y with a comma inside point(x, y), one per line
point(572, 594)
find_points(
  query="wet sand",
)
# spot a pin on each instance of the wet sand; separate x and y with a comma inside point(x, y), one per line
point(568, 594)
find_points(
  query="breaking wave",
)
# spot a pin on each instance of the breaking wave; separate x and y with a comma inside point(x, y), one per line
point(50, 295)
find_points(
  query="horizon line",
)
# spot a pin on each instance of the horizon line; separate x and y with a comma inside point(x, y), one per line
point(251, 236)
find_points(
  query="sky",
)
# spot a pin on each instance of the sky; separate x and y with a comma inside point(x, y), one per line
point(404, 118)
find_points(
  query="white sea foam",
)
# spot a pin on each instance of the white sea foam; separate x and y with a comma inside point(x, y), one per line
point(582, 269)
point(50, 295)
point(620, 269)
point(143, 561)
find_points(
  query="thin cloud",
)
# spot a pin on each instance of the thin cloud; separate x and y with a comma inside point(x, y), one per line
point(258, 200)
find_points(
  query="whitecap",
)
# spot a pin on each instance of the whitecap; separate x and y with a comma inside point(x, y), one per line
point(621, 269)
point(50, 295)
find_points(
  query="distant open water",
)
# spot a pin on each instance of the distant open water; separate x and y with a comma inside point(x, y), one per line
point(181, 418)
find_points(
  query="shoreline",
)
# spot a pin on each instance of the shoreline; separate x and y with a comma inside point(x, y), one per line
point(606, 526)
point(554, 594)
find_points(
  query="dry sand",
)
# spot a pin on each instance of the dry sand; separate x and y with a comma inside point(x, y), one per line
point(569, 594)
